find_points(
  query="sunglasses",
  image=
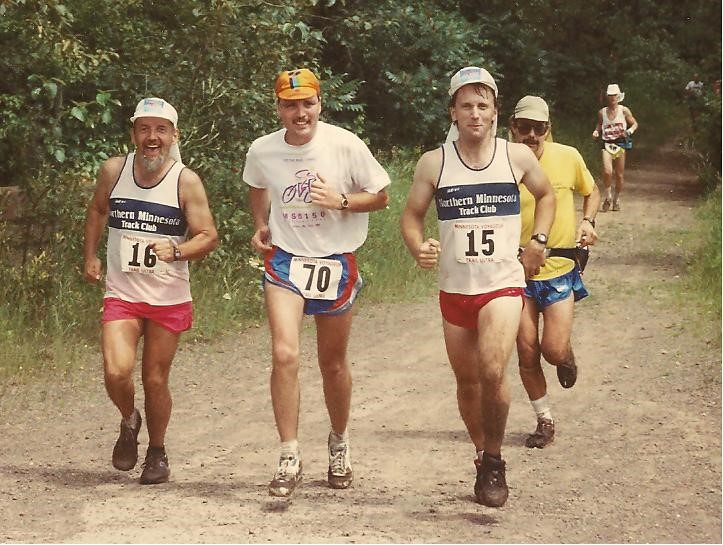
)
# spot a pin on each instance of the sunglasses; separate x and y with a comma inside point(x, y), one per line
point(524, 127)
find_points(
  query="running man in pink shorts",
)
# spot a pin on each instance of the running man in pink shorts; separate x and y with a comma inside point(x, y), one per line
point(474, 183)
point(158, 219)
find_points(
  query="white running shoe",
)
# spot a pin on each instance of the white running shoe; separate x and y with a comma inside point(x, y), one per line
point(340, 473)
point(287, 476)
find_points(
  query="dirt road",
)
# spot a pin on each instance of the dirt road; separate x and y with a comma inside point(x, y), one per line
point(637, 456)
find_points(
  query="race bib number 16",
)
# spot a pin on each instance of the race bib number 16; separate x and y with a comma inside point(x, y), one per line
point(137, 256)
point(316, 278)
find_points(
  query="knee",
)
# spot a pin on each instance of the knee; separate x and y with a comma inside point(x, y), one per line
point(333, 368)
point(556, 353)
point(492, 378)
point(154, 381)
point(285, 357)
point(115, 375)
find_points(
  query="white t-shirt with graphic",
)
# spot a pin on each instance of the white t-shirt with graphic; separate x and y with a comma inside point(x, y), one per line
point(343, 161)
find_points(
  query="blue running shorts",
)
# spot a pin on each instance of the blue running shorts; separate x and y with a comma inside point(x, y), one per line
point(547, 292)
point(328, 285)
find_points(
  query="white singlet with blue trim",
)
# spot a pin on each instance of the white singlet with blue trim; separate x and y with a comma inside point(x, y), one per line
point(139, 216)
point(478, 213)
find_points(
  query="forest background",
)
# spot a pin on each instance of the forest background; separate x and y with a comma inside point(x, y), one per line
point(73, 71)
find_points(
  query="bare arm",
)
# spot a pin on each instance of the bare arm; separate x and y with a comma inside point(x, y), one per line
point(586, 233)
point(598, 127)
point(630, 120)
point(324, 195)
point(260, 208)
point(194, 203)
point(97, 217)
point(419, 198)
point(527, 169)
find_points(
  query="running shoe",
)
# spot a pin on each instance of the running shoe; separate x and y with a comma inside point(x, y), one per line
point(155, 469)
point(606, 205)
point(543, 435)
point(125, 451)
point(287, 476)
point(616, 206)
point(567, 374)
point(490, 487)
point(340, 473)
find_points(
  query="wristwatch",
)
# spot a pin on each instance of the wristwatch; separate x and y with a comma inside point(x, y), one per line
point(540, 237)
point(176, 253)
point(589, 220)
point(344, 202)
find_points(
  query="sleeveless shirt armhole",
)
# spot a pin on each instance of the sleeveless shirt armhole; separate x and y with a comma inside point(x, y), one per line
point(441, 168)
point(178, 187)
point(509, 162)
point(120, 173)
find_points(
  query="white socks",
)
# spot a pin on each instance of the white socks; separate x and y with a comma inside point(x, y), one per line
point(542, 407)
point(290, 448)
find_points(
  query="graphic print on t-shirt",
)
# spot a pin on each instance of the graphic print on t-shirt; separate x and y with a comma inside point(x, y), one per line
point(296, 205)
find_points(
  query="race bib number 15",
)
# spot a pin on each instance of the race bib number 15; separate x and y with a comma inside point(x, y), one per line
point(474, 242)
point(137, 256)
point(316, 278)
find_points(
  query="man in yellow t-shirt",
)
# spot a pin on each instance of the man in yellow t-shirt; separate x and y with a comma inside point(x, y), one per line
point(555, 287)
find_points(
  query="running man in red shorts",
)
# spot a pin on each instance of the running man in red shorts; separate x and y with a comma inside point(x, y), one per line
point(158, 219)
point(474, 183)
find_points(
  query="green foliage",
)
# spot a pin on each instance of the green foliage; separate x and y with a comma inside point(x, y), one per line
point(405, 55)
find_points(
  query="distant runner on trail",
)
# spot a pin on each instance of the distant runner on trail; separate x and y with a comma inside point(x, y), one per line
point(474, 182)
point(615, 124)
point(312, 186)
point(553, 291)
point(158, 219)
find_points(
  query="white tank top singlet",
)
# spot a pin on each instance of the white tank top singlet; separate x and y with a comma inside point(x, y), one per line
point(139, 216)
point(478, 213)
point(613, 129)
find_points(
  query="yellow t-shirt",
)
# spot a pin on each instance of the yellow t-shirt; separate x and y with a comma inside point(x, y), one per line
point(566, 169)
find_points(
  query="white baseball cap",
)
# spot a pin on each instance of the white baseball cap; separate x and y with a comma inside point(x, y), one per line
point(614, 89)
point(472, 74)
point(156, 107)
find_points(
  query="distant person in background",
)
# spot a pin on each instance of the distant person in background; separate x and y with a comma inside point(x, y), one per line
point(311, 188)
point(158, 219)
point(615, 126)
point(554, 289)
point(474, 183)
point(694, 98)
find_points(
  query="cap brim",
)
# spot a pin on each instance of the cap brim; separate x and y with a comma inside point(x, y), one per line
point(156, 116)
point(300, 93)
point(532, 116)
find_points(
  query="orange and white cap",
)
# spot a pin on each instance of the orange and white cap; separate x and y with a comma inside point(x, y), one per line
point(297, 84)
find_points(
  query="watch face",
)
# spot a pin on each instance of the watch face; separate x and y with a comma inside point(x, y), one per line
point(541, 238)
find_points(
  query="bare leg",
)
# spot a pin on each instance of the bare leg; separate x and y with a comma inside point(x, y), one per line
point(332, 336)
point(285, 311)
point(463, 353)
point(120, 342)
point(159, 348)
point(528, 352)
point(499, 322)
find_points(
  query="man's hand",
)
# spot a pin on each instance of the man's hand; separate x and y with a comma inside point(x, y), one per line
point(92, 270)
point(427, 254)
point(261, 241)
point(323, 195)
point(595, 134)
point(163, 250)
point(532, 258)
point(586, 235)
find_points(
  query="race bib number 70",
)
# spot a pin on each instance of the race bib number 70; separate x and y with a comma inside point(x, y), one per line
point(316, 278)
point(137, 256)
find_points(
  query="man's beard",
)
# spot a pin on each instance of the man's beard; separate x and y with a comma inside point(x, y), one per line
point(151, 165)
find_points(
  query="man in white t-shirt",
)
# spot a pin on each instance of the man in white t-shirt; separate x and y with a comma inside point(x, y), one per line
point(311, 186)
